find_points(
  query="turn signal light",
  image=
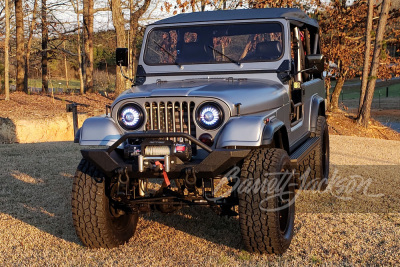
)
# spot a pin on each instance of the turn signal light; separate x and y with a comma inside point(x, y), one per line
point(206, 139)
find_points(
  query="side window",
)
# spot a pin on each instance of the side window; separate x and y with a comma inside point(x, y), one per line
point(305, 42)
point(190, 37)
point(315, 47)
point(298, 60)
point(297, 52)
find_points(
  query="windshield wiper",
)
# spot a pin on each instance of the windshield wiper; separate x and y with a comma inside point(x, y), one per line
point(169, 53)
point(222, 54)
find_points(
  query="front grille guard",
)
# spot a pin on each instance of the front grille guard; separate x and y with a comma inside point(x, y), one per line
point(171, 117)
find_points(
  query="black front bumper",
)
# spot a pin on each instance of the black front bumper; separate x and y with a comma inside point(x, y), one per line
point(217, 162)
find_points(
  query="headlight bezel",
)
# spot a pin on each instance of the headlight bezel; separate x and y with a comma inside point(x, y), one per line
point(140, 118)
point(220, 113)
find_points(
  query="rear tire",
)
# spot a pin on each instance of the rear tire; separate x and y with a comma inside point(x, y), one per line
point(266, 222)
point(321, 166)
point(96, 223)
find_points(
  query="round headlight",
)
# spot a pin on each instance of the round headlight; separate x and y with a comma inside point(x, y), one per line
point(210, 116)
point(130, 117)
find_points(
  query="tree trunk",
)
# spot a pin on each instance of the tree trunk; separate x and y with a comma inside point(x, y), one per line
point(45, 39)
point(367, 52)
point(20, 52)
point(29, 45)
point(328, 93)
point(132, 39)
point(203, 5)
point(78, 48)
point(7, 52)
point(193, 5)
point(119, 25)
point(83, 58)
point(134, 26)
point(336, 93)
point(365, 111)
point(66, 67)
point(88, 36)
point(78, 36)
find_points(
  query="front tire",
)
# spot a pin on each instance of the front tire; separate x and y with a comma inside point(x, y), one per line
point(266, 218)
point(96, 223)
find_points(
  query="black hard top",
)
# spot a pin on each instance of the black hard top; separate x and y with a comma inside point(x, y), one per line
point(241, 14)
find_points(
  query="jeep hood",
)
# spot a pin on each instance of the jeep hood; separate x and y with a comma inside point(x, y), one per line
point(254, 95)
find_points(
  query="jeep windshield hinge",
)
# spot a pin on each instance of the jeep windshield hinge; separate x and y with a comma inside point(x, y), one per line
point(237, 105)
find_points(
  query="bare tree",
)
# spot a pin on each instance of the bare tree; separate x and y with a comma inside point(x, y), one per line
point(20, 52)
point(88, 14)
point(45, 39)
point(133, 32)
point(82, 87)
point(367, 53)
point(7, 52)
point(29, 45)
point(119, 25)
point(75, 5)
point(365, 111)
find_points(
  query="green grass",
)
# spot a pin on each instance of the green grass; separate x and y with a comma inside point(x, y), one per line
point(315, 260)
point(61, 83)
point(244, 256)
point(354, 92)
point(56, 83)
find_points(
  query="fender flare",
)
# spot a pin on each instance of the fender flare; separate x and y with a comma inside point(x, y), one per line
point(270, 131)
point(317, 109)
point(99, 131)
point(249, 131)
point(243, 131)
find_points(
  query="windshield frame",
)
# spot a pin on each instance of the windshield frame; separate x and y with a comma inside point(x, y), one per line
point(170, 26)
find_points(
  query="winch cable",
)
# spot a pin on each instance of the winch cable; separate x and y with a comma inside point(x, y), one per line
point(166, 180)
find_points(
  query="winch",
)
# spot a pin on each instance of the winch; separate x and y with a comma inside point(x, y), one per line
point(181, 150)
point(150, 151)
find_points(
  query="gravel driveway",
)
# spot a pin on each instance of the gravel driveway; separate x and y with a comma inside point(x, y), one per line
point(36, 226)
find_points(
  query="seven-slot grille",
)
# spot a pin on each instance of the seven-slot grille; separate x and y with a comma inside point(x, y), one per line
point(170, 116)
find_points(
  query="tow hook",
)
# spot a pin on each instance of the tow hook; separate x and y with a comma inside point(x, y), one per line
point(190, 179)
point(123, 180)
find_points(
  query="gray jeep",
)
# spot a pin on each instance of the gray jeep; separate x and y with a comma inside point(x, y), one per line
point(222, 99)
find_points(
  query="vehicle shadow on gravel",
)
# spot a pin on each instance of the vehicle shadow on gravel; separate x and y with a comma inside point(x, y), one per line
point(201, 222)
point(36, 187)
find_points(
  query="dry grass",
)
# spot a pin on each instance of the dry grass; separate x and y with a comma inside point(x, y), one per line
point(36, 226)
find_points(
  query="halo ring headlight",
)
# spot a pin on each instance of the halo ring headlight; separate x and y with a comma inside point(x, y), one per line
point(130, 117)
point(209, 116)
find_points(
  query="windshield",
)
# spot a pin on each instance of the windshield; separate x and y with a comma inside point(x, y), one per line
point(229, 43)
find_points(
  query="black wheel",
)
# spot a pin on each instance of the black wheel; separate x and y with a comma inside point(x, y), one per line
point(266, 215)
point(97, 224)
point(321, 166)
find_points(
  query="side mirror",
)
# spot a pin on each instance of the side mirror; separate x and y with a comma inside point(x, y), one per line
point(315, 63)
point(121, 57)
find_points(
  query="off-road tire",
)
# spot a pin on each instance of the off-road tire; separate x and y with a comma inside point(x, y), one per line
point(321, 166)
point(94, 222)
point(265, 229)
